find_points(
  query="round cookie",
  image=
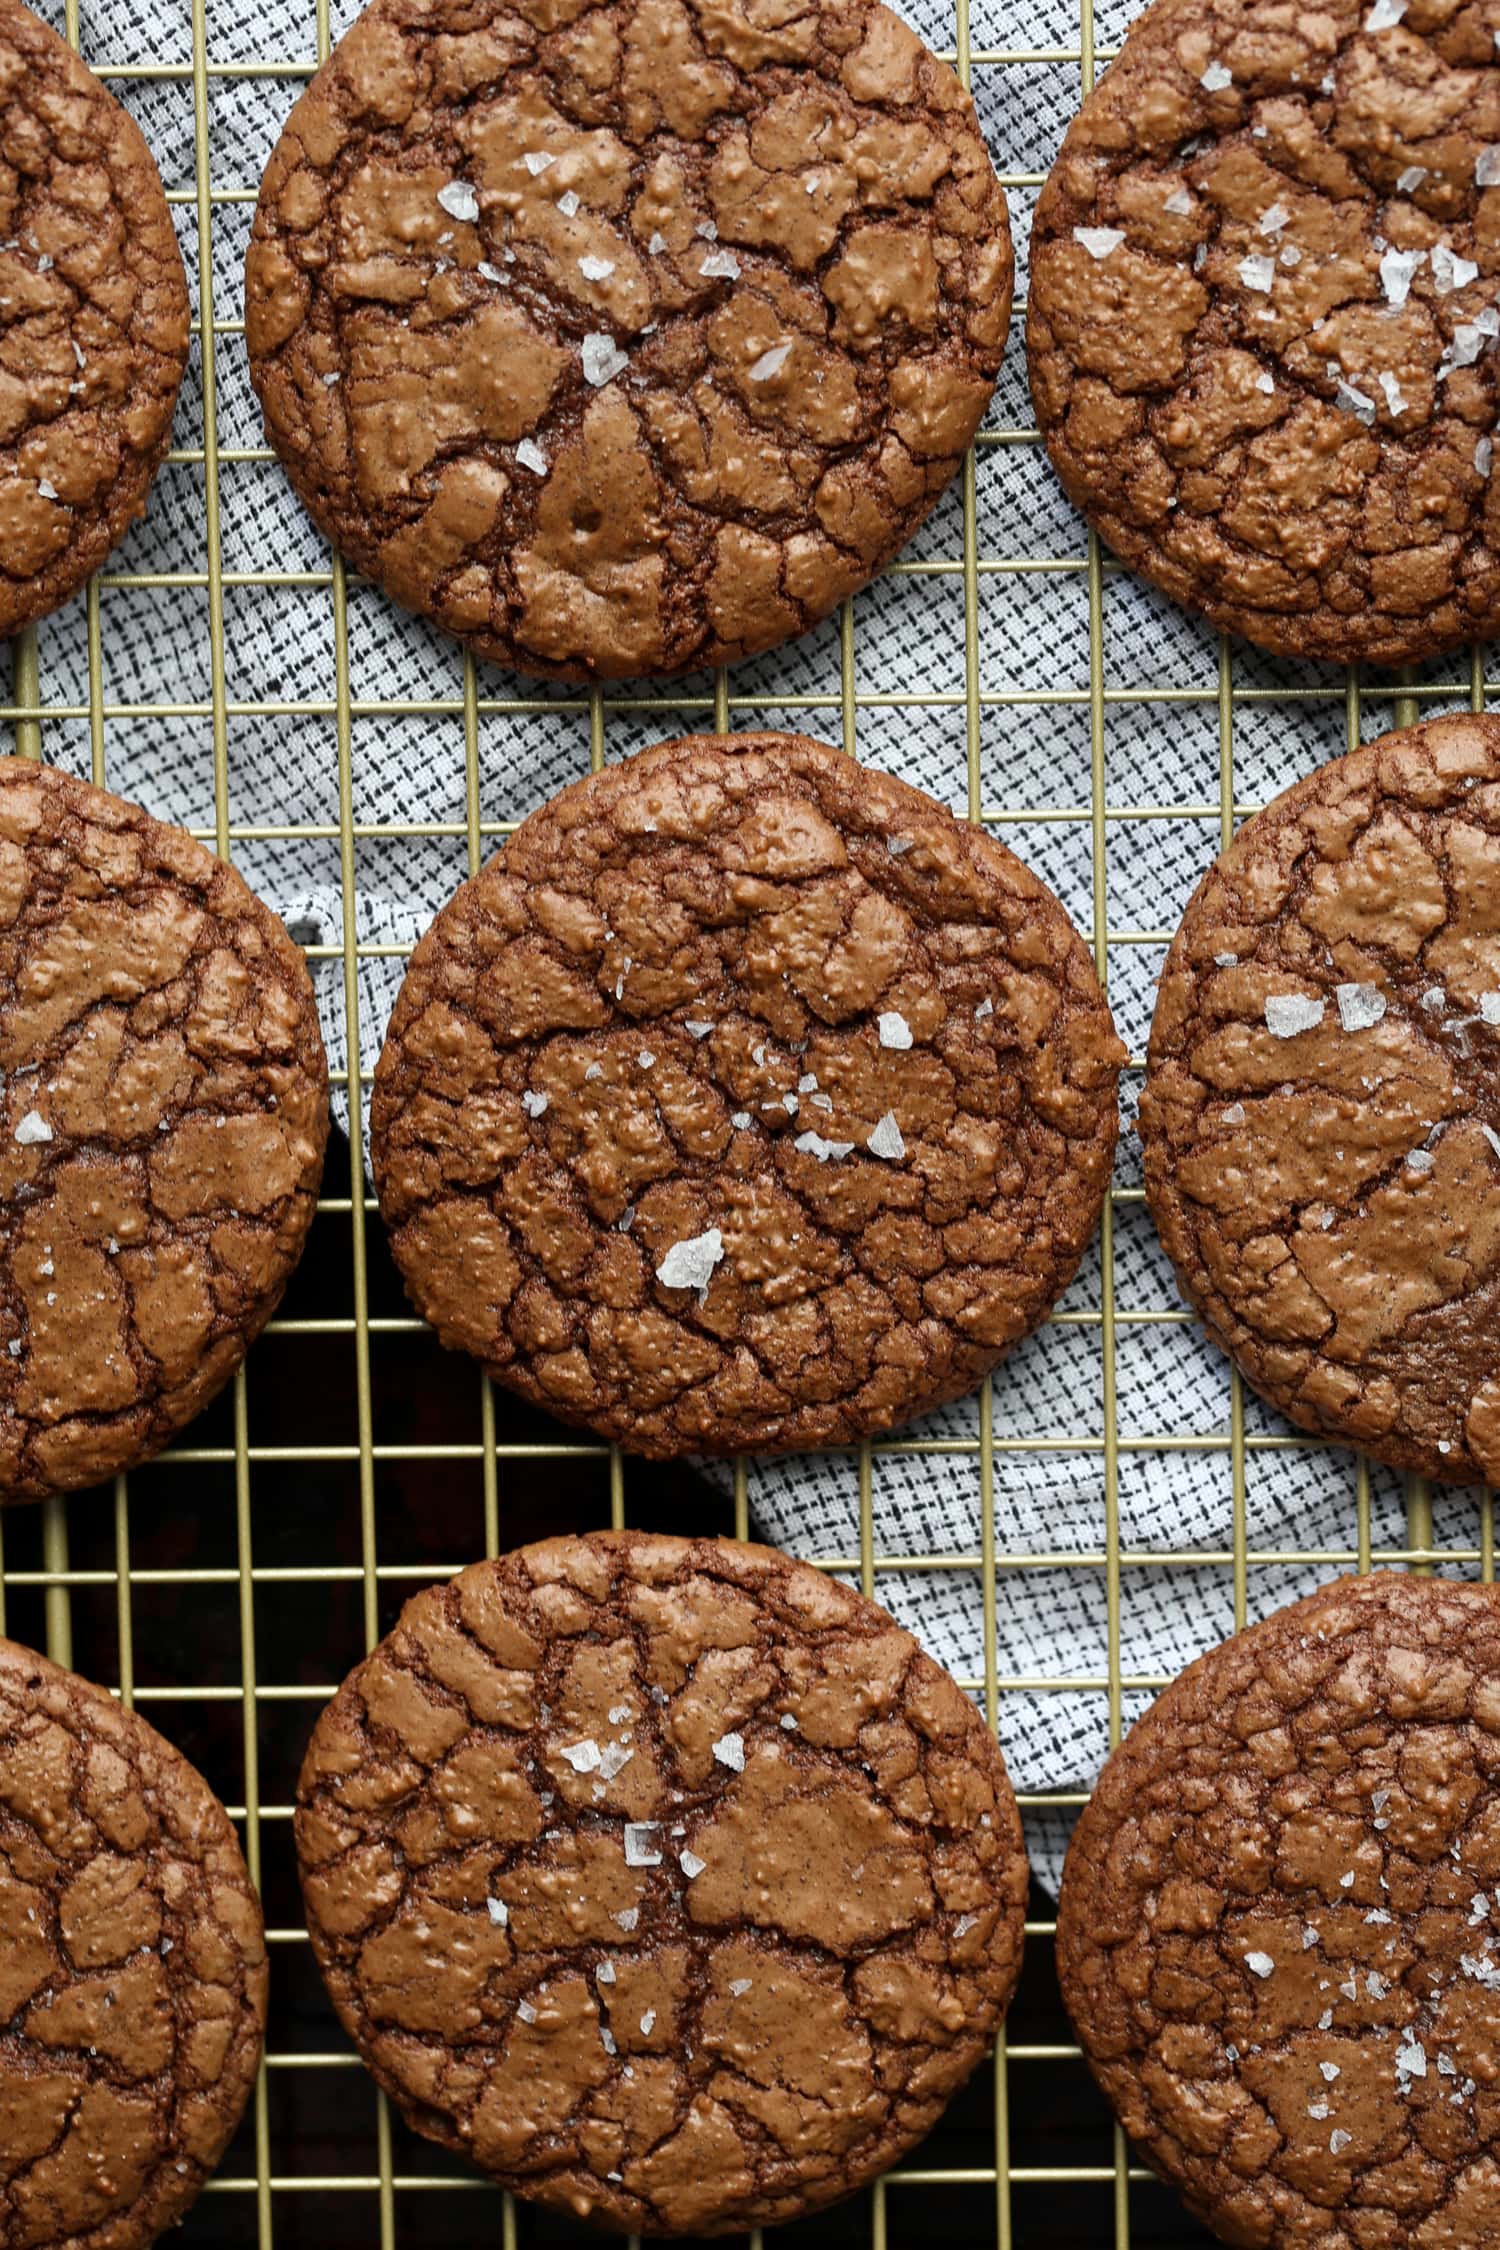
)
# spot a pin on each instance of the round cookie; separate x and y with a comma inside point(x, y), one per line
point(163, 1111)
point(746, 1100)
point(95, 316)
point(133, 1967)
point(628, 339)
point(1279, 1927)
point(1321, 1114)
point(667, 1879)
point(1261, 323)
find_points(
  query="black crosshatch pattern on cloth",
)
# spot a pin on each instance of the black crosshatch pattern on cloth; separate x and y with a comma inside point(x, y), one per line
point(1109, 1505)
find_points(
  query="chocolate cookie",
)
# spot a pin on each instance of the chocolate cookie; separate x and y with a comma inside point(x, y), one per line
point(1265, 293)
point(747, 1099)
point(163, 1110)
point(93, 321)
point(629, 339)
point(1321, 1115)
point(132, 1969)
point(1279, 1928)
point(668, 1879)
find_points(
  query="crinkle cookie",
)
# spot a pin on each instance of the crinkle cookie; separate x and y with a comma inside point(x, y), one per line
point(631, 337)
point(132, 1969)
point(94, 319)
point(1264, 301)
point(1321, 1115)
point(746, 1099)
point(1279, 1928)
point(667, 1879)
point(163, 1114)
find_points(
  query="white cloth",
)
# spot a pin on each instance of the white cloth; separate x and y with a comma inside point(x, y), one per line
point(1033, 642)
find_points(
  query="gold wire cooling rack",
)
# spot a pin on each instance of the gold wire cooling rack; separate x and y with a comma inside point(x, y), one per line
point(397, 2181)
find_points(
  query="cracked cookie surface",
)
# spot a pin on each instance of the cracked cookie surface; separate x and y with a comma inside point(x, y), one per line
point(1279, 1926)
point(746, 1099)
point(163, 1113)
point(94, 321)
point(1321, 1114)
point(1264, 298)
point(132, 1974)
point(667, 1879)
point(632, 337)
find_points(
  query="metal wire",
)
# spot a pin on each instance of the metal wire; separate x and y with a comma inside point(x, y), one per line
point(901, 2207)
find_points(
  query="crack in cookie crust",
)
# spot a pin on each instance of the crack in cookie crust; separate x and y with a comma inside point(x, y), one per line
point(94, 321)
point(132, 1974)
point(667, 1879)
point(1321, 1115)
point(626, 338)
point(1261, 327)
point(163, 1114)
point(746, 1099)
point(1279, 1928)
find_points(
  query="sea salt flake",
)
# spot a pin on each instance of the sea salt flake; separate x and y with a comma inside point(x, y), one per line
point(596, 269)
point(1450, 272)
point(1234, 1114)
point(1411, 2059)
point(488, 272)
point(986, 1007)
point(1375, 1985)
point(1411, 179)
point(606, 1972)
point(1216, 78)
point(813, 1144)
point(1320, 2110)
point(886, 1139)
point(1397, 271)
point(692, 1866)
point(1487, 166)
point(1492, 1137)
point(1339, 2139)
point(720, 265)
point(1385, 15)
point(1179, 203)
point(1330, 2072)
point(459, 201)
point(770, 363)
point(1266, 382)
point(525, 2011)
point(1484, 456)
point(1478, 1909)
point(640, 1851)
point(648, 2021)
point(613, 1759)
point(1447, 2067)
point(1100, 242)
point(729, 1750)
point(583, 1756)
point(1349, 399)
point(657, 244)
point(1420, 1160)
point(627, 1917)
point(535, 1105)
point(1378, 1916)
point(788, 1722)
point(607, 2040)
point(536, 162)
point(690, 1264)
point(739, 1986)
point(1289, 1013)
point(499, 1912)
point(645, 1058)
point(33, 1129)
point(894, 1029)
point(707, 229)
point(46, 488)
point(567, 203)
point(1258, 273)
point(1260, 1964)
point(698, 1026)
point(741, 1120)
point(1489, 1007)
point(1309, 1937)
point(619, 1713)
point(1273, 218)
point(1361, 1006)
point(531, 456)
point(602, 359)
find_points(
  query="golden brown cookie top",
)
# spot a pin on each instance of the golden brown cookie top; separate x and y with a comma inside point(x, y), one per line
point(626, 338)
point(1264, 300)
point(668, 1879)
point(93, 320)
point(746, 1099)
point(1321, 1116)
point(132, 1969)
point(1279, 1928)
point(163, 1112)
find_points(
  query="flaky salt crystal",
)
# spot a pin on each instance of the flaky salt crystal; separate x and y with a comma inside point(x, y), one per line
point(459, 201)
point(770, 363)
point(1288, 1013)
point(1216, 78)
point(1259, 1964)
point(1100, 242)
point(729, 1750)
point(894, 1029)
point(1361, 1006)
point(690, 1264)
point(602, 359)
point(531, 456)
point(1258, 273)
point(886, 1139)
point(640, 1851)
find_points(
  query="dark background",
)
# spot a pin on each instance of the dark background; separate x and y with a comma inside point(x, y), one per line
point(305, 1516)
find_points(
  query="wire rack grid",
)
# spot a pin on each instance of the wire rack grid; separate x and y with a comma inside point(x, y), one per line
point(42, 1576)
